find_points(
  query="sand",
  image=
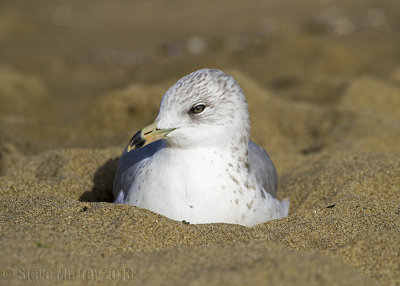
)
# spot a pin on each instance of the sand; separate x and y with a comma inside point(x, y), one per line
point(329, 115)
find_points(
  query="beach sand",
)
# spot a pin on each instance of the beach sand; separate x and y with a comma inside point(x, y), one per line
point(328, 116)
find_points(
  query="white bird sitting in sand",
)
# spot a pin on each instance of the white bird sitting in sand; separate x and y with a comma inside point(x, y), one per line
point(195, 163)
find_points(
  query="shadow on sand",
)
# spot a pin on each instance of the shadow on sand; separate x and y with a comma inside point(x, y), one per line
point(102, 183)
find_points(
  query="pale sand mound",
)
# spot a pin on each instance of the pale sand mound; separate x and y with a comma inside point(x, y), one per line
point(370, 117)
point(122, 108)
point(341, 172)
point(18, 92)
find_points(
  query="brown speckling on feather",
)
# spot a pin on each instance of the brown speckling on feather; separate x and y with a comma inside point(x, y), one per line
point(249, 205)
point(234, 149)
point(234, 179)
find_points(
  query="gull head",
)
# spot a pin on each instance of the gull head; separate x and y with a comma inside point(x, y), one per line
point(206, 108)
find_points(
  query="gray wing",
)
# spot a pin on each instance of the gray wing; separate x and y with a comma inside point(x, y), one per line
point(129, 164)
point(263, 168)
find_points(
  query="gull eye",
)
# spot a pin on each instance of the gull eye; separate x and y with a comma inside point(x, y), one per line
point(198, 108)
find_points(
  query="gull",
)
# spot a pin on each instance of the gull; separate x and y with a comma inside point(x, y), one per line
point(196, 163)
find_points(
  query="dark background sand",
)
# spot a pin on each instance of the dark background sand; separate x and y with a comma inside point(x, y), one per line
point(322, 79)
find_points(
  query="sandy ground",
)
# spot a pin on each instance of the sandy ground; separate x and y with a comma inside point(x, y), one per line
point(322, 79)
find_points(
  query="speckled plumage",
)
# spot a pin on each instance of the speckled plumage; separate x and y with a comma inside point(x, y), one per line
point(206, 170)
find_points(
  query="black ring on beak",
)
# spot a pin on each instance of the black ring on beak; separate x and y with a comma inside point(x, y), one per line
point(137, 140)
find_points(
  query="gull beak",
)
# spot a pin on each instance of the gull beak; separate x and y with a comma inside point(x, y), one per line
point(147, 135)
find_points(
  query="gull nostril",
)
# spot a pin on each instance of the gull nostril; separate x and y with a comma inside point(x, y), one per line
point(148, 132)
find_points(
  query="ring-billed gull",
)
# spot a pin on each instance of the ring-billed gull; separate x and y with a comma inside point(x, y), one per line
point(196, 162)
